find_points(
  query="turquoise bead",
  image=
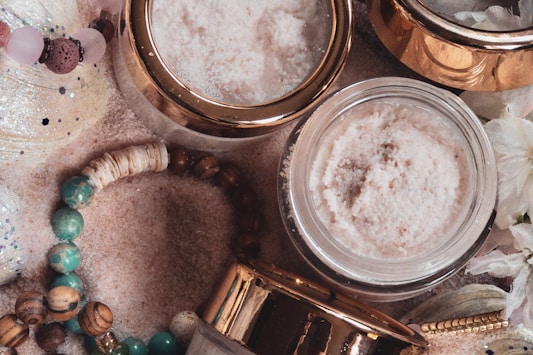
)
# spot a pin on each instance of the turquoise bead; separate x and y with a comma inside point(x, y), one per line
point(67, 223)
point(137, 346)
point(89, 342)
point(77, 192)
point(163, 343)
point(64, 257)
point(73, 326)
point(70, 280)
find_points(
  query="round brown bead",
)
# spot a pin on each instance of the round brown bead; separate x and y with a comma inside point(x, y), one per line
point(247, 246)
point(205, 167)
point(50, 336)
point(180, 161)
point(12, 333)
point(30, 308)
point(228, 177)
point(95, 319)
point(249, 221)
point(244, 198)
point(62, 303)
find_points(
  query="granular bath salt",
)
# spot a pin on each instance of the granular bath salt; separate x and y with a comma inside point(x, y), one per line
point(244, 51)
point(389, 180)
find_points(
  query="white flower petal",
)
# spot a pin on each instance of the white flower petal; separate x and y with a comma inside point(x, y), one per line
point(512, 141)
point(517, 295)
point(516, 103)
point(497, 264)
point(523, 235)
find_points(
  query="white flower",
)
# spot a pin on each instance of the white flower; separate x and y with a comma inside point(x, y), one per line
point(497, 17)
point(512, 141)
point(519, 302)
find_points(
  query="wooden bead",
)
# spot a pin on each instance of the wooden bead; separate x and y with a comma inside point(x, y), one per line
point(249, 221)
point(12, 333)
point(180, 161)
point(244, 198)
point(95, 319)
point(30, 308)
point(8, 351)
point(205, 167)
point(247, 246)
point(62, 303)
point(228, 177)
point(50, 336)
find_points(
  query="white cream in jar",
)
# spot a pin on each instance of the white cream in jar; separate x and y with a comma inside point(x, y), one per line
point(388, 187)
point(242, 52)
point(388, 180)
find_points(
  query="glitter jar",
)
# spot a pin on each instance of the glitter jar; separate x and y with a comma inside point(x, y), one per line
point(428, 37)
point(388, 187)
point(212, 75)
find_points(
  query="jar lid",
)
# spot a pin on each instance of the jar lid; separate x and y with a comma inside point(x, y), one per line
point(189, 107)
point(451, 53)
point(272, 311)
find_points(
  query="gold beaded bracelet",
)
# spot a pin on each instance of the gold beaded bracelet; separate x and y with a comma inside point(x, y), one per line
point(61, 309)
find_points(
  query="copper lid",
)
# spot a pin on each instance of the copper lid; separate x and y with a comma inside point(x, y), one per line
point(452, 54)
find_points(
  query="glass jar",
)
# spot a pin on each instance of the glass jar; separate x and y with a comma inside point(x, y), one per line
point(429, 37)
point(388, 187)
point(213, 75)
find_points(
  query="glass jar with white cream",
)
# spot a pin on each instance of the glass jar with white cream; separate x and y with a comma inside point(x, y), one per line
point(213, 74)
point(388, 187)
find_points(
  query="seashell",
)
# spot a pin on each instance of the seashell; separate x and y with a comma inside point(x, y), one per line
point(470, 300)
point(62, 303)
point(11, 255)
point(95, 319)
point(12, 333)
point(30, 308)
point(53, 109)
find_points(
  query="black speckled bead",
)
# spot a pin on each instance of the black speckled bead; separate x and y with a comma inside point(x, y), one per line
point(63, 56)
point(50, 336)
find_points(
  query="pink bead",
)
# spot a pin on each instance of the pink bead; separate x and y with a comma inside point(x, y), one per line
point(5, 33)
point(25, 45)
point(64, 56)
point(112, 6)
point(93, 42)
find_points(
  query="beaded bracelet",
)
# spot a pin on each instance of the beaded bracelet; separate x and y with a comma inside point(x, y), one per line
point(62, 305)
point(61, 55)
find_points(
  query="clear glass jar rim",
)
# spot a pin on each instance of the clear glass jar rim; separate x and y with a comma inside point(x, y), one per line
point(479, 219)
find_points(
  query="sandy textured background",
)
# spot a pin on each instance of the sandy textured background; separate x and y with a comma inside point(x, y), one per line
point(154, 244)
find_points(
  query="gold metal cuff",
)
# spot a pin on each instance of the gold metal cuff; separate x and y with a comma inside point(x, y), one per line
point(271, 311)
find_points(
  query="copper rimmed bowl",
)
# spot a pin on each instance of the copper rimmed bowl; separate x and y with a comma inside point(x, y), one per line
point(450, 53)
point(178, 111)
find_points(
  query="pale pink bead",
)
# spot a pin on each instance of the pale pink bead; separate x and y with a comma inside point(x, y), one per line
point(5, 33)
point(112, 6)
point(25, 45)
point(93, 42)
